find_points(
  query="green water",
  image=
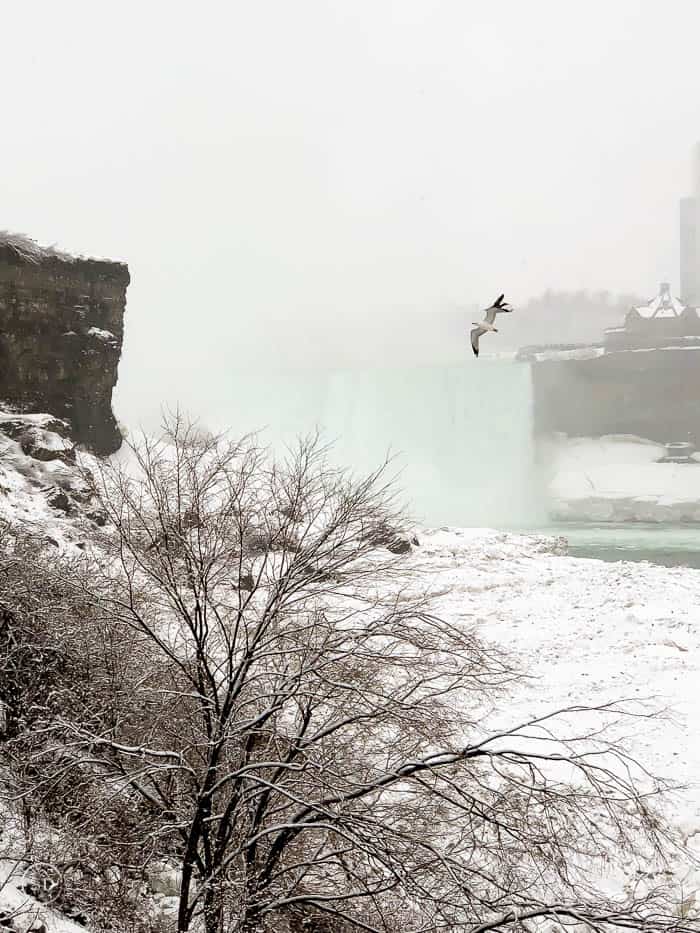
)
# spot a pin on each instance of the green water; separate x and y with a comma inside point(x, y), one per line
point(668, 545)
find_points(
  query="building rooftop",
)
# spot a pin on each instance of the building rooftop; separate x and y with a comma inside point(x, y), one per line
point(662, 305)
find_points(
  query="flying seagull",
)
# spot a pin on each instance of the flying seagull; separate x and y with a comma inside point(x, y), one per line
point(486, 325)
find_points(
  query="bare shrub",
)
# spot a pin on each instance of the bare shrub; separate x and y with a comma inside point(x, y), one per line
point(275, 713)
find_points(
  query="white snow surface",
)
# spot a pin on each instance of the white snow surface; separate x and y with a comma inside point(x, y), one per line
point(37, 419)
point(616, 478)
point(584, 631)
point(580, 353)
point(34, 252)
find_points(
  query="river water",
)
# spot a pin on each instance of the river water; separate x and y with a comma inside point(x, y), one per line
point(669, 545)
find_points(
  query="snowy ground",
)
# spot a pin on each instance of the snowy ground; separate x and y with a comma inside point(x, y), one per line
point(585, 631)
point(616, 478)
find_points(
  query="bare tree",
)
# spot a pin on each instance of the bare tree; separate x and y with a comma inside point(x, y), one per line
point(50, 649)
point(277, 712)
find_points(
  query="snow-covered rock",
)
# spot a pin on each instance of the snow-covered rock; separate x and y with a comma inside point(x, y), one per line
point(42, 444)
point(21, 911)
point(44, 481)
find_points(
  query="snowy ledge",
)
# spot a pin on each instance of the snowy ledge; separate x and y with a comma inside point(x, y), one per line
point(554, 354)
point(617, 478)
point(644, 509)
point(28, 251)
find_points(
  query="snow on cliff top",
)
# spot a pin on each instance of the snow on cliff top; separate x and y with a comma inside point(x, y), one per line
point(31, 251)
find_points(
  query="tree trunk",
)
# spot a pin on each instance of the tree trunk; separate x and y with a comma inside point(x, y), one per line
point(183, 913)
point(213, 912)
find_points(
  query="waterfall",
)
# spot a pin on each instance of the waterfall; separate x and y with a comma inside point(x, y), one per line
point(461, 436)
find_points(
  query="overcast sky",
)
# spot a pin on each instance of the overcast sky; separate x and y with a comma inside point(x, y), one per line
point(269, 157)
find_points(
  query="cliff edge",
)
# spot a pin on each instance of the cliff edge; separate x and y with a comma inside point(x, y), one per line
point(61, 332)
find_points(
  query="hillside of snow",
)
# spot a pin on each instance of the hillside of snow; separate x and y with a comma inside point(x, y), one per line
point(45, 482)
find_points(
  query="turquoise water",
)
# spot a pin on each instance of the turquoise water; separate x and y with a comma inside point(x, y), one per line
point(668, 545)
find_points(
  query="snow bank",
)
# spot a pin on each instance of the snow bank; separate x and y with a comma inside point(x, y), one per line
point(616, 478)
point(584, 631)
point(41, 483)
point(583, 353)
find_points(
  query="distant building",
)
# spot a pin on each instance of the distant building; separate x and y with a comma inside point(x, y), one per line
point(663, 321)
point(643, 378)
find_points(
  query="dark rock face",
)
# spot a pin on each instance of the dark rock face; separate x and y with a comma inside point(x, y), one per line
point(61, 331)
point(58, 499)
point(393, 539)
point(654, 394)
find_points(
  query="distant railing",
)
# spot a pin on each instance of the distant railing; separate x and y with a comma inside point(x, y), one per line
point(529, 353)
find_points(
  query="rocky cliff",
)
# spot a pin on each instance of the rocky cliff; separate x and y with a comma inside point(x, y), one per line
point(61, 330)
point(649, 393)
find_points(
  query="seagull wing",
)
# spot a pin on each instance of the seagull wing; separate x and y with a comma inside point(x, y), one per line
point(495, 309)
point(498, 301)
point(475, 334)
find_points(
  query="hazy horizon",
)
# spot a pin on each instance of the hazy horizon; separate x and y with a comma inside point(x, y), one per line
point(324, 159)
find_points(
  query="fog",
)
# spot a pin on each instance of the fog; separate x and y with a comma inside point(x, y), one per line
point(333, 184)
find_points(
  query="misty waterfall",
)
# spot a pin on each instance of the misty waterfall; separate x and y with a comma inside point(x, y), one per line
point(460, 435)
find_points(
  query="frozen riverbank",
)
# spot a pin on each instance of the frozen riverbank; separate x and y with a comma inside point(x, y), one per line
point(585, 631)
point(617, 478)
